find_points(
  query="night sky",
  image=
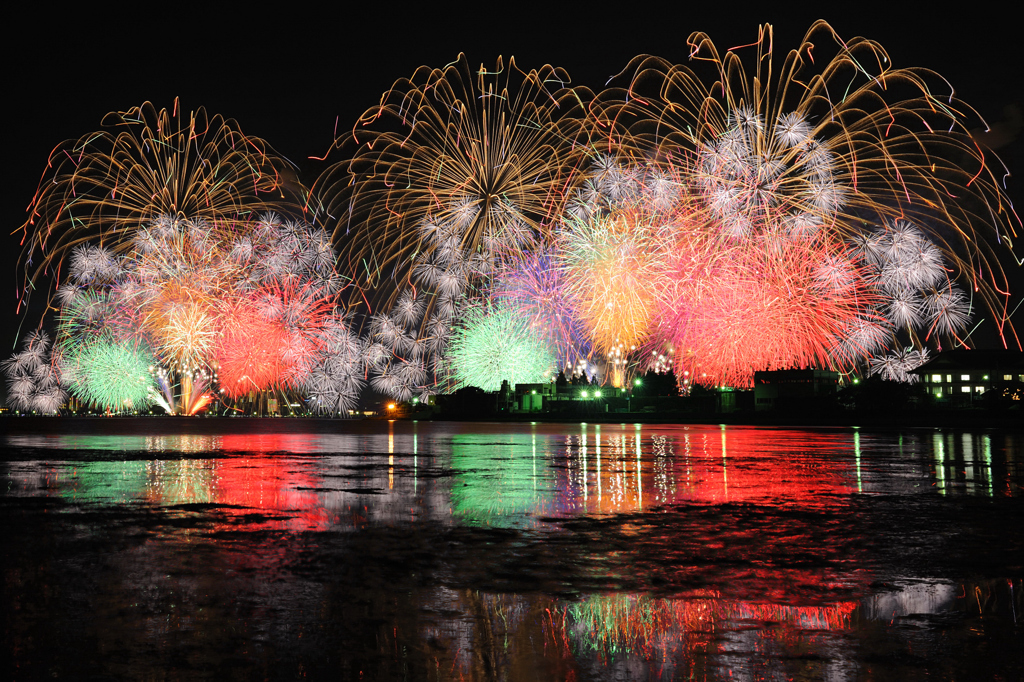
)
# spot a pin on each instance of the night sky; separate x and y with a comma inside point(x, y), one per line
point(291, 76)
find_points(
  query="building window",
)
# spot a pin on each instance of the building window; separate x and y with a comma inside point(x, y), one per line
point(979, 389)
point(936, 378)
point(938, 391)
point(965, 377)
point(1007, 377)
point(965, 389)
point(949, 378)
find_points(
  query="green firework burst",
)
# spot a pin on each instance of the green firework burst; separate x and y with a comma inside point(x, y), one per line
point(494, 343)
point(110, 374)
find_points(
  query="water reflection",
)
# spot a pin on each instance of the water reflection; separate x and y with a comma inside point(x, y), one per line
point(443, 551)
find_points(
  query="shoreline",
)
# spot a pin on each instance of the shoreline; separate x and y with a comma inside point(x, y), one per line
point(1012, 420)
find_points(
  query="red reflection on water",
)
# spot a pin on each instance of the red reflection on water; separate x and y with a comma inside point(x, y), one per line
point(273, 485)
point(624, 636)
point(623, 470)
point(291, 443)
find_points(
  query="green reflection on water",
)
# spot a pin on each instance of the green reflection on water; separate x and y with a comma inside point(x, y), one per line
point(167, 482)
point(496, 483)
point(105, 482)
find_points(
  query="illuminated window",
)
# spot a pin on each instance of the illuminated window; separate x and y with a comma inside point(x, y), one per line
point(965, 377)
point(1020, 377)
point(936, 378)
point(979, 389)
point(949, 378)
point(938, 391)
point(965, 389)
point(1007, 377)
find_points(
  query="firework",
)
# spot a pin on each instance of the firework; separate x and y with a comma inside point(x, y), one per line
point(493, 343)
point(452, 161)
point(765, 305)
point(535, 285)
point(112, 375)
point(232, 308)
point(728, 215)
point(145, 163)
point(898, 365)
point(615, 270)
point(32, 382)
point(454, 172)
point(249, 350)
point(821, 218)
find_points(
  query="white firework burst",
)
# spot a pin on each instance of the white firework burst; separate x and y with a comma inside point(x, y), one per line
point(948, 310)
point(388, 331)
point(834, 273)
point(792, 130)
point(408, 310)
point(898, 365)
point(905, 309)
point(91, 264)
point(865, 336)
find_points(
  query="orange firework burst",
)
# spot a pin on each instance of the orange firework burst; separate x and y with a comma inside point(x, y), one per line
point(616, 269)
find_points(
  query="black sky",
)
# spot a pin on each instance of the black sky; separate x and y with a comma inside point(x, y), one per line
point(291, 75)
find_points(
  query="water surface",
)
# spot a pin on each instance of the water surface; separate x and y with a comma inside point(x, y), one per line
point(404, 550)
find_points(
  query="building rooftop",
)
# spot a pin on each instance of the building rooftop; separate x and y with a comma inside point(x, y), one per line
point(962, 358)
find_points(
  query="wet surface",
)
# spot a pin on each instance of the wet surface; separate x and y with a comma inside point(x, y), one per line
point(514, 551)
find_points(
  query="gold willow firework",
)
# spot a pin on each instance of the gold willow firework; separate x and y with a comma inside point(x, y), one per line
point(455, 173)
point(141, 164)
point(453, 162)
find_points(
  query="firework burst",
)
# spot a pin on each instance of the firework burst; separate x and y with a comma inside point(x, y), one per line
point(535, 285)
point(115, 376)
point(854, 166)
point(453, 160)
point(615, 268)
point(144, 163)
point(492, 343)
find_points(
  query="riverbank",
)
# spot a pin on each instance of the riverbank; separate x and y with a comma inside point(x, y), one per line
point(976, 418)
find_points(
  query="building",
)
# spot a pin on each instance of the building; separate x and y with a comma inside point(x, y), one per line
point(531, 397)
point(793, 388)
point(962, 376)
